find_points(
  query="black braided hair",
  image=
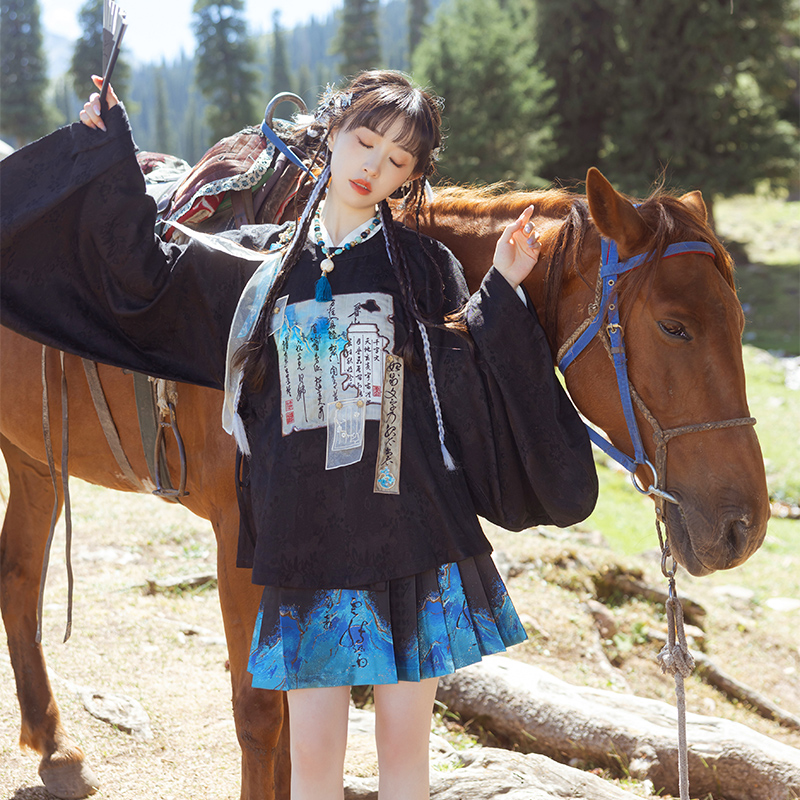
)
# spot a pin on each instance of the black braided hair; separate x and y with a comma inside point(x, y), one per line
point(402, 272)
point(253, 355)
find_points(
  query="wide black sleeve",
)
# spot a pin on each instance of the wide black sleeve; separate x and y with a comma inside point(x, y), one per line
point(82, 270)
point(516, 436)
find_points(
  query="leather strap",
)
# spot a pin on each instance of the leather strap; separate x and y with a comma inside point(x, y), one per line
point(48, 446)
point(107, 424)
point(148, 428)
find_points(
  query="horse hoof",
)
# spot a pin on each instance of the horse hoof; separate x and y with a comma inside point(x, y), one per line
point(68, 781)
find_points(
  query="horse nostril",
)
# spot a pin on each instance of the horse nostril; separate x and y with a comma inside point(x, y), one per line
point(737, 539)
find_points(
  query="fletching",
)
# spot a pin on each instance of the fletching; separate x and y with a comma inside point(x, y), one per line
point(114, 26)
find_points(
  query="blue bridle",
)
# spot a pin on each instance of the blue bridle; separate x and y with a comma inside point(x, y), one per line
point(608, 309)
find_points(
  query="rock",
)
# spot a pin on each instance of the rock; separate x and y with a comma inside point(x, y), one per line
point(737, 592)
point(119, 710)
point(782, 603)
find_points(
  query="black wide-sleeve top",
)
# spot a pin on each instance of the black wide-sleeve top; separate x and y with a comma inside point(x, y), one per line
point(83, 271)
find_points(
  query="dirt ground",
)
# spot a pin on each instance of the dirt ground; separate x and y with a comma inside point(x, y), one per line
point(168, 652)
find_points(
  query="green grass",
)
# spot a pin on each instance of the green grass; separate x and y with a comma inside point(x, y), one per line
point(763, 234)
point(777, 409)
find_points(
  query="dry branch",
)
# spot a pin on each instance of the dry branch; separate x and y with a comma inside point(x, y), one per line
point(627, 583)
point(712, 674)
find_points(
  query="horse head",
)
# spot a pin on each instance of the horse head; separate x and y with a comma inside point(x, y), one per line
point(679, 330)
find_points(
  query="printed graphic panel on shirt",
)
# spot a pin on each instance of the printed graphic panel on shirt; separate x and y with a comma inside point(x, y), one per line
point(330, 352)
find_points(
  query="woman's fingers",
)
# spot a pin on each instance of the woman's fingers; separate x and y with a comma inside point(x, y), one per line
point(525, 224)
point(90, 116)
point(111, 96)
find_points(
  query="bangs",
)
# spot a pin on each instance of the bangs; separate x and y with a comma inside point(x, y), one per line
point(418, 131)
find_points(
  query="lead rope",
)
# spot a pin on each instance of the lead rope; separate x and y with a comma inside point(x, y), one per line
point(675, 658)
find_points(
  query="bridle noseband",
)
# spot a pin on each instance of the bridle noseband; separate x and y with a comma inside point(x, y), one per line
point(605, 309)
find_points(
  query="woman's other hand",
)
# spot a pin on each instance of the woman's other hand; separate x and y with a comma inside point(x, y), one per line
point(90, 116)
point(518, 249)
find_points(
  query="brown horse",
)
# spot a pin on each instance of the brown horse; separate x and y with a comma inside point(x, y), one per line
point(682, 323)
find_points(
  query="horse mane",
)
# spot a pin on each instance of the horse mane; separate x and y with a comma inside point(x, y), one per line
point(495, 201)
point(670, 221)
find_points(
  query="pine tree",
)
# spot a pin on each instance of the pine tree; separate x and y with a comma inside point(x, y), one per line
point(24, 114)
point(87, 57)
point(417, 12)
point(477, 54)
point(280, 77)
point(696, 101)
point(577, 48)
point(163, 126)
point(224, 58)
point(356, 42)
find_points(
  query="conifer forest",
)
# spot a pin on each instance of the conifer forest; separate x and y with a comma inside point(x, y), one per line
point(683, 93)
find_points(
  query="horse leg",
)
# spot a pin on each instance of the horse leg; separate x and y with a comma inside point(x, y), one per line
point(260, 715)
point(22, 544)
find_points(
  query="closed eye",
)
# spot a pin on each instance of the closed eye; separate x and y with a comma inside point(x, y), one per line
point(674, 329)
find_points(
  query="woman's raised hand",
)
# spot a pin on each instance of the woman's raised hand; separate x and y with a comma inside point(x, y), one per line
point(90, 116)
point(518, 249)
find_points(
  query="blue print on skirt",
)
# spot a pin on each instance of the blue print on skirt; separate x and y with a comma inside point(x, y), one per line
point(342, 634)
point(405, 630)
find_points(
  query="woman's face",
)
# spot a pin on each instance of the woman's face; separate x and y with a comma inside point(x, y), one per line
point(367, 167)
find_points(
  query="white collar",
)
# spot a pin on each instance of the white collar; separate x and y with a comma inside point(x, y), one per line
point(352, 236)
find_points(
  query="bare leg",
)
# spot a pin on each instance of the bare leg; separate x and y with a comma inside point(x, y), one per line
point(402, 733)
point(318, 723)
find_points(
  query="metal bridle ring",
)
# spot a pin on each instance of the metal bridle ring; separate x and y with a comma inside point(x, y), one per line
point(653, 488)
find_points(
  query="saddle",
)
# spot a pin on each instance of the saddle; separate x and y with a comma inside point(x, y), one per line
point(247, 178)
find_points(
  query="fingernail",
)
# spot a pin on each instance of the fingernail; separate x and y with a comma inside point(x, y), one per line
point(96, 108)
point(528, 228)
point(532, 241)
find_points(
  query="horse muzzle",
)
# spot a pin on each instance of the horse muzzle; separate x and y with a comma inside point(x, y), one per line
point(703, 546)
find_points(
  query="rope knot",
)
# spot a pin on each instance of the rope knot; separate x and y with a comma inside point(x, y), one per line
point(675, 659)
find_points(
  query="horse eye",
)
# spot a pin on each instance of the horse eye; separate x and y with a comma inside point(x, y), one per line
point(675, 329)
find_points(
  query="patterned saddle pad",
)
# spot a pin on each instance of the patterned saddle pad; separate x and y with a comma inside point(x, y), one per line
point(241, 179)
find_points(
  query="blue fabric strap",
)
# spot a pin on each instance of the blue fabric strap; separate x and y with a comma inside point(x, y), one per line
point(610, 270)
point(282, 146)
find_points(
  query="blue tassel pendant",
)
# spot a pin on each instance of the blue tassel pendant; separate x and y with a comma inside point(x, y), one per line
point(323, 292)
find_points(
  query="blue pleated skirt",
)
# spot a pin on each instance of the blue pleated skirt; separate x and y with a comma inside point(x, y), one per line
point(406, 629)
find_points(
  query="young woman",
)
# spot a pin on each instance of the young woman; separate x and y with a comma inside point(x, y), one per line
point(373, 431)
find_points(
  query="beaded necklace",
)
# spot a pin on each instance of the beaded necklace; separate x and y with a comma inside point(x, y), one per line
point(323, 288)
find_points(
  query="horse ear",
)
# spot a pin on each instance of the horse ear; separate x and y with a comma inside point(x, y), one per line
point(615, 217)
point(694, 201)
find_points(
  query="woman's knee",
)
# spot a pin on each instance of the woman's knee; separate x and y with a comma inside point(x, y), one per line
point(318, 725)
point(403, 721)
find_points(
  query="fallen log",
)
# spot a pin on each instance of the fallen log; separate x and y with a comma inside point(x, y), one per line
point(490, 773)
point(479, 773)
point(537, 712)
